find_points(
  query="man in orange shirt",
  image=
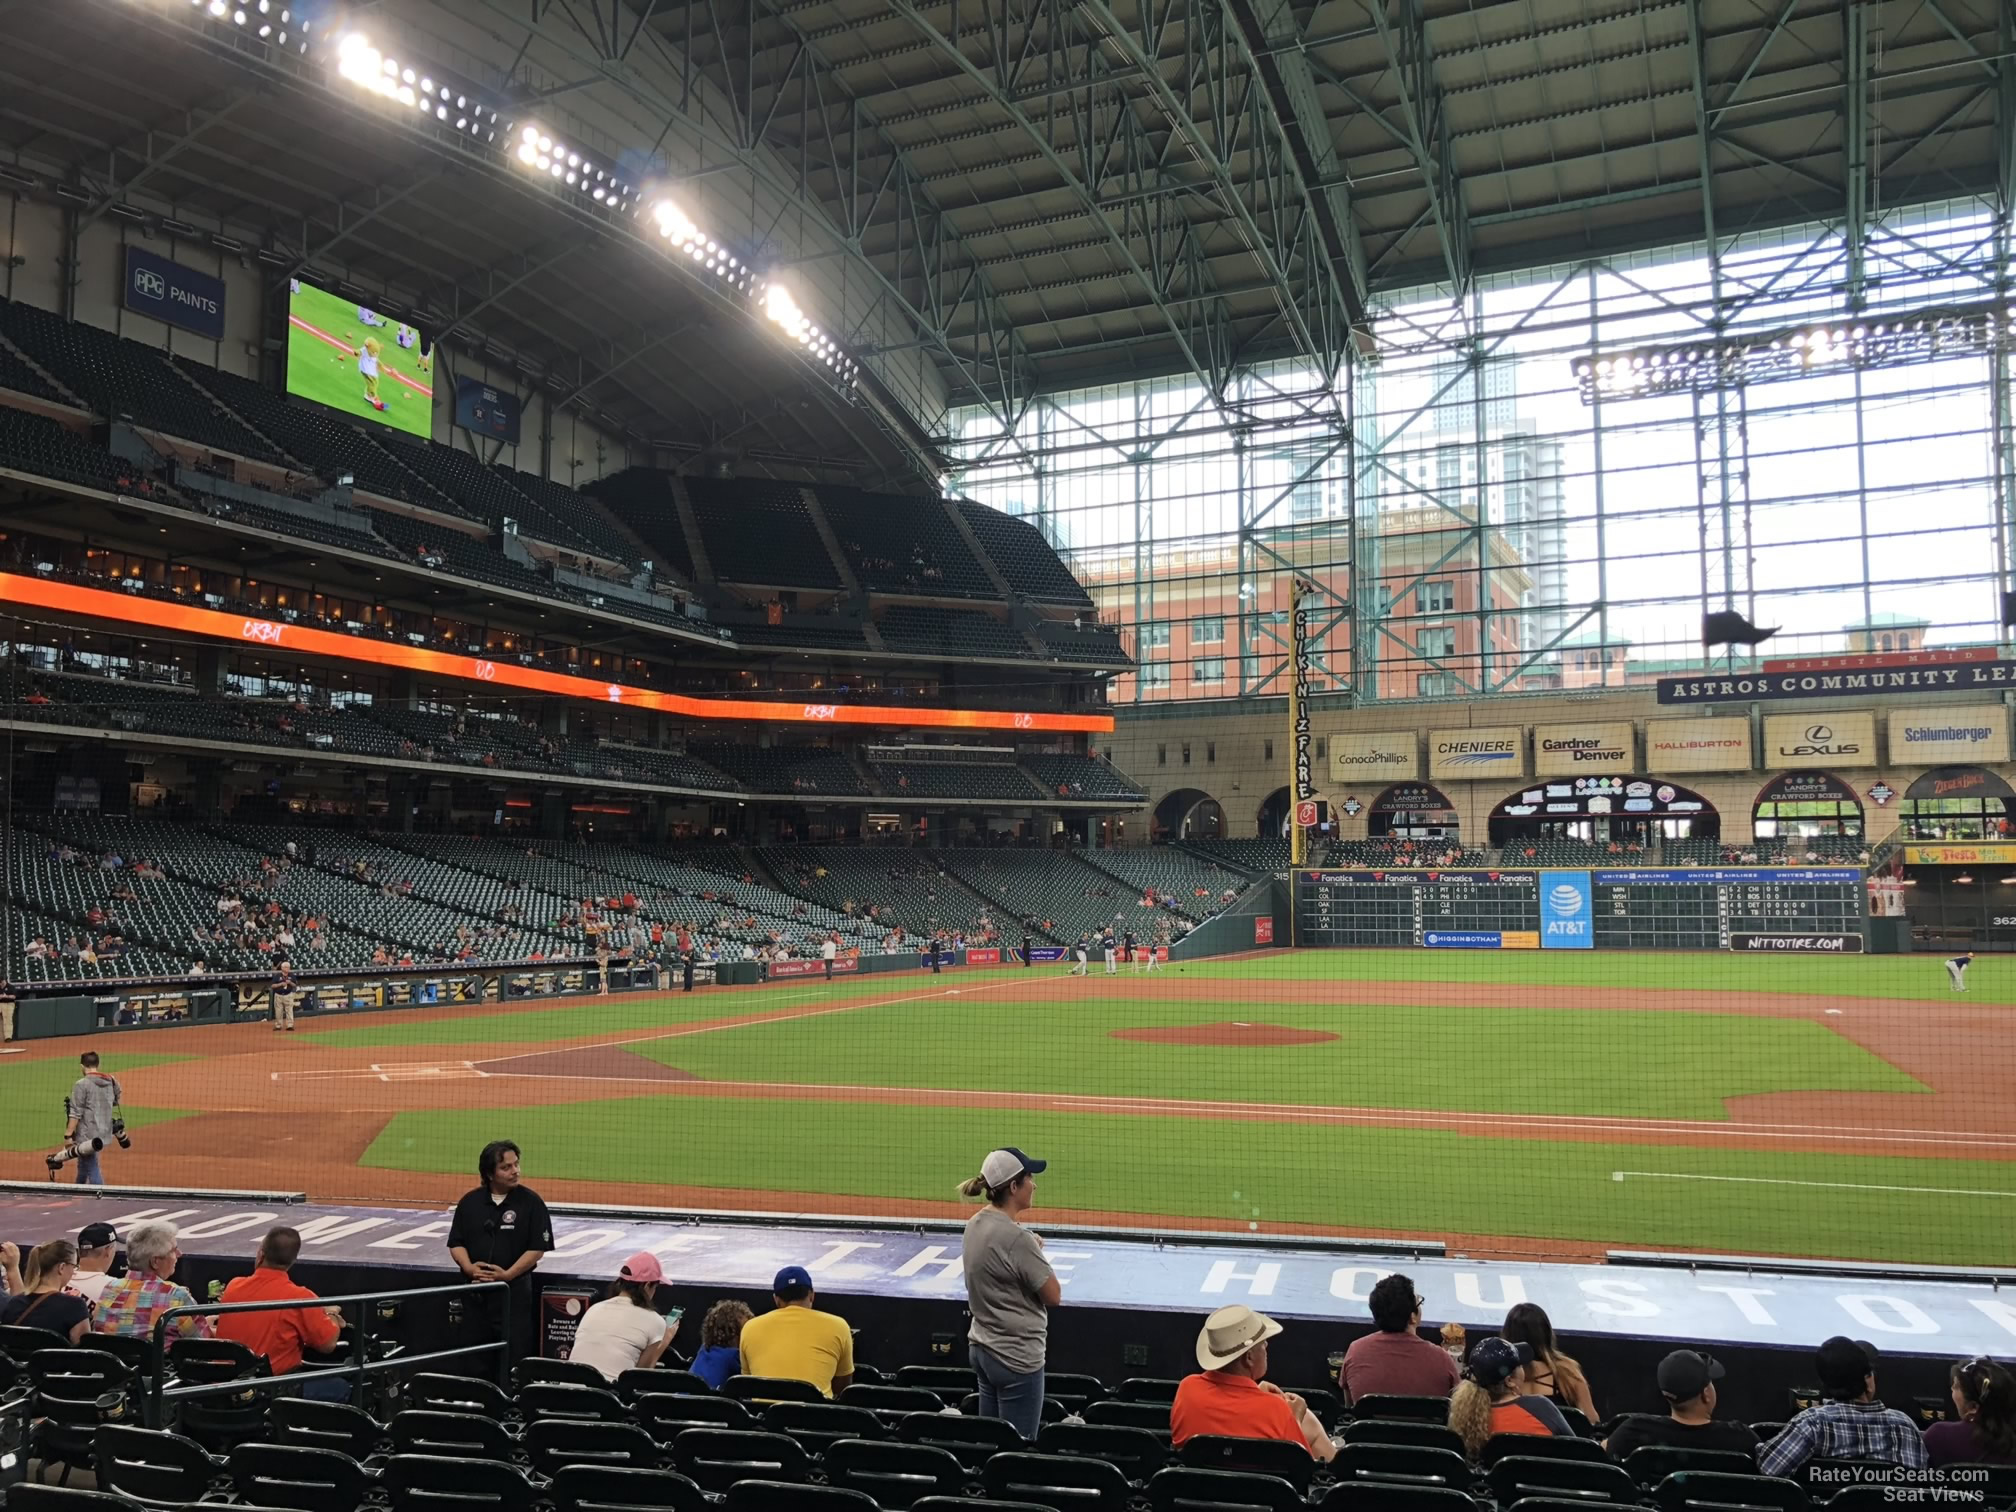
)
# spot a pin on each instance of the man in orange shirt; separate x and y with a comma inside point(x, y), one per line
point(1230, 1398)
point(283, 1333)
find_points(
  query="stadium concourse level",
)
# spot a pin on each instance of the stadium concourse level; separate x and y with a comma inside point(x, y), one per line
point(504, 745)
point(568, 1437)
point(94, 897)
point(714, 558)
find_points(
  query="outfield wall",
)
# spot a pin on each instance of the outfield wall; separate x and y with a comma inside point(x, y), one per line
point(1809, 910)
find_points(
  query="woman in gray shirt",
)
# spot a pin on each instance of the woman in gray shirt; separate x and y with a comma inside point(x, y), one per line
point(1010, 1290)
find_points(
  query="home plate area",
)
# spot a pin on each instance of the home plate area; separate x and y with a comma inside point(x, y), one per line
point(396, 1071)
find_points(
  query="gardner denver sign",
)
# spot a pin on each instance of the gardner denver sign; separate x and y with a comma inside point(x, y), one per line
point(1952, 677)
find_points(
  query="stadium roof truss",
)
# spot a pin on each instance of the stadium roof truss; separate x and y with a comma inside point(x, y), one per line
point(990, 200)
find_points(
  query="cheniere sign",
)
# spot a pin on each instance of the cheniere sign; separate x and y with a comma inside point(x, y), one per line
point(1953, 677)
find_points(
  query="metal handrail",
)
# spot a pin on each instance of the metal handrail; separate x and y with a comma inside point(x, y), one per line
point(159, 1391)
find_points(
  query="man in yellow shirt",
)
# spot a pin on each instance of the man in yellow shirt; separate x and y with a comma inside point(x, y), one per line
point(797, 1342)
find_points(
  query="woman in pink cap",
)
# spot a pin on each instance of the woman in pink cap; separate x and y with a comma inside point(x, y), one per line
point(624, 1331)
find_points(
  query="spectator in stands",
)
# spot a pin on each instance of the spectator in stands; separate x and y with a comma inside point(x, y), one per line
point(1984, 1395)
point(796, 1341)
point(1010, 1290)
point(625, 1331)
point(1488, 1401)
point(1852, 1423)
point(284, 1335)
point(1395, 1360)
point(1687, 1380)
point(45, 1300)
point(97, 1250)
point(130, 1305)
point(720, 1353)
point(1228, 1395)
point(500, 1232)
point(1552, 1374)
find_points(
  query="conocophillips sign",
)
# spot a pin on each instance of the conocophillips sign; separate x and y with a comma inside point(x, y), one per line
point(1820, 740)
point(1459, 754)
point(1571, 750)
point(1940, 736)
point(1391, 757)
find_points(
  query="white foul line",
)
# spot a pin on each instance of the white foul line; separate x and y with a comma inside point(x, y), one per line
point(1839, 1186)
point(739, 1023)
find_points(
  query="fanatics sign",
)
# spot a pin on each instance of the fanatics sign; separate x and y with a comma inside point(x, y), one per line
point(1944, 677)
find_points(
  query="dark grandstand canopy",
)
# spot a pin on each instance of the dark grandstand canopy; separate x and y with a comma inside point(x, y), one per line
point(986, 202)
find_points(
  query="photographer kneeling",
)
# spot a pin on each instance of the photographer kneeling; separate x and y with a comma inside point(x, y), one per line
point(283, 1335)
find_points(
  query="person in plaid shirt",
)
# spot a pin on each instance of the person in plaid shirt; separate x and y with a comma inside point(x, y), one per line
point(1851, 1424)
point(131, 1304)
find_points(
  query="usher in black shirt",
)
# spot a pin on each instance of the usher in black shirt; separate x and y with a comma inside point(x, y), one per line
point(499, 1233)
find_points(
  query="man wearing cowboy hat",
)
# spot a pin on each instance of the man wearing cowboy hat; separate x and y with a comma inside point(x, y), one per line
point(1230, 1398)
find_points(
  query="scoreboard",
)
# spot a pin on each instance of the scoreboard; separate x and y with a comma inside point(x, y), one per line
point(1755, 909)
point(1761, 910)
point(1477, 910)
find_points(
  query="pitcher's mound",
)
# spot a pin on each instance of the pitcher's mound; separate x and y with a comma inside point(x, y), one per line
point(1226, 1034)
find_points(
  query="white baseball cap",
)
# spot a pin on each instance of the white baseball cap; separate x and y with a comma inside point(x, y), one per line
point(1002, 1167)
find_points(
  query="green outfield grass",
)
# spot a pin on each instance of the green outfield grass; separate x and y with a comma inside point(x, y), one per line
point(32, 1093)
point(1589, 1060)
point(1921, 977)
point(1346, 1178)
point(319, 371)
point(1503, 1060)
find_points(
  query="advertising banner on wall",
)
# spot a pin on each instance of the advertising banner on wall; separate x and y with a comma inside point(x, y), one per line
point(1477, 755)
point(1698, 745)
point(1820, 740)
point(1366, 759)
point(1573, 749)
point(1808, 787)
point(174, 293)
point(1567, 911)
point(1938, 736)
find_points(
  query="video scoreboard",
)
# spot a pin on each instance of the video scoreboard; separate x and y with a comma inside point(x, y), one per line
point(1764, 910)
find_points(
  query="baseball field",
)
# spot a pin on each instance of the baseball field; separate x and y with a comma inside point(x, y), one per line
point(1520, 1104)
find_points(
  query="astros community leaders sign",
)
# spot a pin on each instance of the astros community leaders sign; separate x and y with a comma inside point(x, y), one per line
point(1955, 677)
point(1499, 752)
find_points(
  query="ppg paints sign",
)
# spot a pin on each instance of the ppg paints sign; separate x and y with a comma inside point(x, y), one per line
point(1827, 740)
point(170, 292)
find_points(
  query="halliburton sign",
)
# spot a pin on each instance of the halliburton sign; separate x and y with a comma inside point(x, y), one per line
point(1697, 745)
